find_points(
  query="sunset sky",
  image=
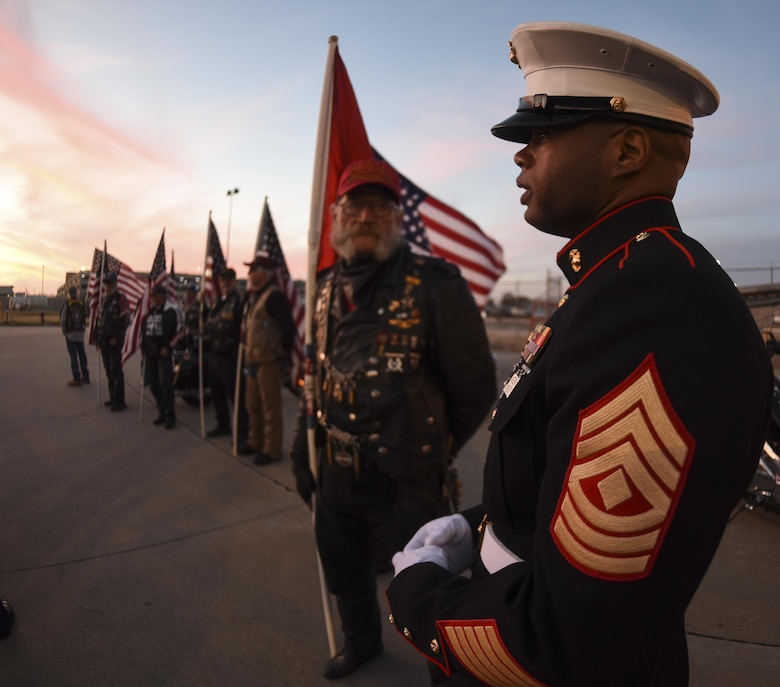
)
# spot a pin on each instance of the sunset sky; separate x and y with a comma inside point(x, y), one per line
point(120, 118)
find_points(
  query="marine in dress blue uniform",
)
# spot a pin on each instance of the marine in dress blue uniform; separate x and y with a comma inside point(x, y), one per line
point(619, 443)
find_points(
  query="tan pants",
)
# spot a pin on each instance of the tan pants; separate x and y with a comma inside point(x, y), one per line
point(264, 405)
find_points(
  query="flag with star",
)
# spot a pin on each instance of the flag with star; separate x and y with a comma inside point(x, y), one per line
point(157, 276)
point(214, 263)
point(268, 241)
point(128, 283)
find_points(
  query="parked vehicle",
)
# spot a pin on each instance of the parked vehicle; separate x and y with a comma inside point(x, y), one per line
point(764, 488)
point(186, 383)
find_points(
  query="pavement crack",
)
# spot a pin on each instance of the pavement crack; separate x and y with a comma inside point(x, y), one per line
point(731, 640)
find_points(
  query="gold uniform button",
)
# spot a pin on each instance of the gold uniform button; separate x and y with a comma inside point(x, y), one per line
point(391, 618)
point(408, 634)
point(435, 648)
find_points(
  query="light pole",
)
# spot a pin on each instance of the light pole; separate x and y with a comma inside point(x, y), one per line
point(43, 270)
point(231, 192)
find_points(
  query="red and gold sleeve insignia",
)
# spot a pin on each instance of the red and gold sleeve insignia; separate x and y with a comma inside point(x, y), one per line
point(630, 458)
point(479, 648)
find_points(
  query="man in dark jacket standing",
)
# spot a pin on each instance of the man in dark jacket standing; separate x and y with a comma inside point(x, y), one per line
point(223, 335)
point(73, 321)
point(404, 377)
point(159, 332)
point(619, 445)
point(112, 324)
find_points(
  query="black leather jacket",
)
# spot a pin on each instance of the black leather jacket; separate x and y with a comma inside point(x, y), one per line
point(404, 376)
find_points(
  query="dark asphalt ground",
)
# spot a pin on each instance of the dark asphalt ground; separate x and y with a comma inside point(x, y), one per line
point(136, 556)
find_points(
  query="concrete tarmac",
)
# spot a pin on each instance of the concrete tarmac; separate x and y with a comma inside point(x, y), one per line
point(136, 556)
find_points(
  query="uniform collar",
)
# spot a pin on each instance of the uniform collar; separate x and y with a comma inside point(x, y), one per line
point(584, 252)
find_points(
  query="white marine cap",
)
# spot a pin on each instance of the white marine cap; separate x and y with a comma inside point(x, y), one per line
point(575, 71)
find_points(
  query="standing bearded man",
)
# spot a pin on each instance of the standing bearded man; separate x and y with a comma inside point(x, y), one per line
point(404, 376)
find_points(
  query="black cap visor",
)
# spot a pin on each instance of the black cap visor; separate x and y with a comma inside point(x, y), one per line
point(542, 111)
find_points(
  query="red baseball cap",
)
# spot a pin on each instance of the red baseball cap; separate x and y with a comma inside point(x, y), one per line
point(371, 172)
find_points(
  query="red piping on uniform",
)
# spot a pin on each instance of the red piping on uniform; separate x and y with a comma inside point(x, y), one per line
point(607, 216)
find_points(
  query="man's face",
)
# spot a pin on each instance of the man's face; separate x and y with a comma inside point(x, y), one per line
point(258, 276)
point(227, 285)
point(564, 177)
point(366, 224)
point(158, 299)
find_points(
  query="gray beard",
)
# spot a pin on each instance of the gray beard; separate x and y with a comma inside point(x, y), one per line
point(388, 244)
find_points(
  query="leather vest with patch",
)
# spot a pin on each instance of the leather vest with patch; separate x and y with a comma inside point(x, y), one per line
point(263, 336)
point(374, 387)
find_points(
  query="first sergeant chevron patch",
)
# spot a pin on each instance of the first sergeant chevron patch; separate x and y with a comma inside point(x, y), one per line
point(630, 458)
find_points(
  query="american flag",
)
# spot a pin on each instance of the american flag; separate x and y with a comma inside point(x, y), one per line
point(128, 284)
point(268, 241)
point(214, 264)
point(429, 225)
point(157, 275)
point(433, 228)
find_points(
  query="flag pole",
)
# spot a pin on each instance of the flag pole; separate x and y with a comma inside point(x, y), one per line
point(202, 295)
point(143, 378)
point(237, 396)
point(97, 314)
point(315, 227)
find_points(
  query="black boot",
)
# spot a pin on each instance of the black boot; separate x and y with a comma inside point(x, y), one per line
point(362, 637)
point(347, 661)
point(159, 420)
point(6, 619)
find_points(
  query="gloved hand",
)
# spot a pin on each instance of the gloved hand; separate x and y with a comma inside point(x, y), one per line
point(305, 484)
point(446, 541)
point(422, 554)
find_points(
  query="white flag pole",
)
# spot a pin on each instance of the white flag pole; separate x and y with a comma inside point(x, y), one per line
point(315, 227)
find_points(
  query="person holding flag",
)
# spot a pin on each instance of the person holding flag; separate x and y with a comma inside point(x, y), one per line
point(112, 324)
point(403, 378)
point(160, 328)
point(223, 334)
point(269, 331)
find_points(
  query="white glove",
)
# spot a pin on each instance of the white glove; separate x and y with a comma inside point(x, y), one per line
point(446, 541)
point(422, 554)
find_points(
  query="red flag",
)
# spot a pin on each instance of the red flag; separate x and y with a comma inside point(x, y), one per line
point(268, 241)
point(429, 225)
point(348, 141)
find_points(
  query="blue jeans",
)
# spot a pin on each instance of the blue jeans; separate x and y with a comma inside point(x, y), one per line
point(78, 356)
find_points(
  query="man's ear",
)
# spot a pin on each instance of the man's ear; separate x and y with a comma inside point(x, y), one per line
point(634, 148)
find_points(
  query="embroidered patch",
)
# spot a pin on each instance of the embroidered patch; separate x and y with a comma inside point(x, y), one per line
point(630, 458)
point(479, 648)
